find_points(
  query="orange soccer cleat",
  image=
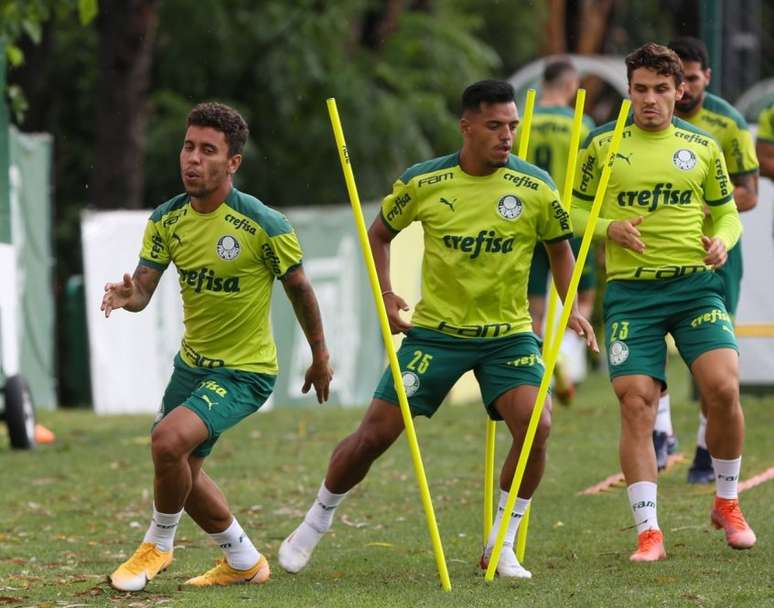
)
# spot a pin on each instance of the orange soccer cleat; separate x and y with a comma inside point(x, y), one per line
point(650, 547)
point(726, 514)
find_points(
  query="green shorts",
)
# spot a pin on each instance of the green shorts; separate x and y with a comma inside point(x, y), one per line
point(538, 272)
point(639, 314)
point(221, 397)
point(731, 274)
point(432, 362)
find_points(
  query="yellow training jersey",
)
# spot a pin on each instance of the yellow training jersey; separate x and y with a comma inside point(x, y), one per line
point(479, 234)
point(721, 120)
point(549, 140)
point(766, 125)
point(226, 263)
point(665, 177)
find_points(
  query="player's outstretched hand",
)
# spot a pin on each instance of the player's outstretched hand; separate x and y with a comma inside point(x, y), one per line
point(393, 303)
point(716, 251)
point(117, 294)
point(583, 328)
point(318, 375)
point(625, 233)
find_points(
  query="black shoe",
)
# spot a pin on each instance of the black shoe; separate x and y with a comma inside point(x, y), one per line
point(660, 443)
point(701, 471)
point(672, 444)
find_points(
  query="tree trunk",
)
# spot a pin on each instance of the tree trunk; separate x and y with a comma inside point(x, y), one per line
point(555, 41)
point(127, 29)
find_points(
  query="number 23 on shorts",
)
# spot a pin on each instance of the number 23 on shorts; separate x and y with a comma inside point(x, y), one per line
point(619, 331)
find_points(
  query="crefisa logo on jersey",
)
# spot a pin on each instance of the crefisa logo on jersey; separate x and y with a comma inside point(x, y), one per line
point(510, 207)
point(684, 159)
point(228, 248)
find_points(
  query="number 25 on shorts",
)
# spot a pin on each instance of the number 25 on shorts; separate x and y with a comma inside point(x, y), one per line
point(419, 362)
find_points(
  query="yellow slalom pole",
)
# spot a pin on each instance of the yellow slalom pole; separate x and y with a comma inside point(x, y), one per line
point(551, 360)
point(569, 176)
point(489, 456)
point(553, 297)
point(411, 435)
point(491, 426)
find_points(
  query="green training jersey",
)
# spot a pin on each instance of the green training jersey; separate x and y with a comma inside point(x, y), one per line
point(549, 140)
point(665, 177)
point(226, 263)
point(721, 120)
point(766, 125)
point(479, 234)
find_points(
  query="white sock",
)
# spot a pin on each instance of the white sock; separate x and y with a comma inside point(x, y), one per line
point(701, 433)
point(161, 531)
point(726, 476)
point(642, 499)
point(664, 416)
point(513, 525)
point(240, 552)
point(320, 514)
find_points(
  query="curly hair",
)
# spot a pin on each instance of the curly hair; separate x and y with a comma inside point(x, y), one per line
point(658, 58)
point(224, 119)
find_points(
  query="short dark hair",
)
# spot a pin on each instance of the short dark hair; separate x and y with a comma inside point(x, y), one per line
point(690, 49)
point(556, 68)
point(222, 118)
point(487, 91)
point(658, 58)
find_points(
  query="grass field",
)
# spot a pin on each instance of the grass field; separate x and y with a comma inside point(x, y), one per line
point(69, 513)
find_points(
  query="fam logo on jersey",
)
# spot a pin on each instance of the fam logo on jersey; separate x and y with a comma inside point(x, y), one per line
point(410, 383)
point(684, 159)
point(228, 248)
point(510, 207)
point(619, 352)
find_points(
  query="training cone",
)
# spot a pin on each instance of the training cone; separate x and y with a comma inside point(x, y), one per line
point(43, 435)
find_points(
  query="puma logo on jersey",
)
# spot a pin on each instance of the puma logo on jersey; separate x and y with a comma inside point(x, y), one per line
point(660, 194)
point(210, 403)
point(448, 203)
point(628, 158)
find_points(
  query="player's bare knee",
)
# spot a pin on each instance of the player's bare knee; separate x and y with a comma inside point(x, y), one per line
point(637, 408)
point(167, 446)
point(543, 429)
point(372, 442)
point(723, 393)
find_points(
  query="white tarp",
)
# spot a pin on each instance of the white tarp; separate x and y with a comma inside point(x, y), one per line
point(755, 316)
point(9, 311)
point(131, 354)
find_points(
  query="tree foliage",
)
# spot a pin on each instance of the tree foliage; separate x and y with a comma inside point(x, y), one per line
point(278, 62)
point(25, 18)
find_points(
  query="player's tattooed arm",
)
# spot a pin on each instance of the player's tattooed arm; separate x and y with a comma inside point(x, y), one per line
point(131, 293)
point(745, 190)
point(301, 296)
point(765, 152)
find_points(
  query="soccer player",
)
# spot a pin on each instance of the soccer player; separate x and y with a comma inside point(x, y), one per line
point(661, 279)
point(482, 210)
point(549, 149)
point(716, 116)
point(764, 144)
point(228, 248)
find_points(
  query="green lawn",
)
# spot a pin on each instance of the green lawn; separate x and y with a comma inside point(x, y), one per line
point(70, 512)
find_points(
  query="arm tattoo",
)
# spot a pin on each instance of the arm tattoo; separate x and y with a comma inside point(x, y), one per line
point(146, 280)
point(301, 295)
